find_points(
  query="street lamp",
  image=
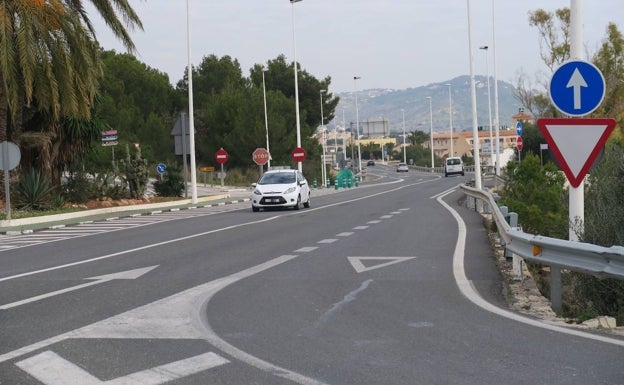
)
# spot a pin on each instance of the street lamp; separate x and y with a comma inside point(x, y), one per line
point(404, 150)
point(323, 171)
point(292, 2)
point(357, 124)
point(266, 120)
point(451, 119)
point(344, 130)
point(190, 104)
point(487, 72)
point(431, 131)
point(473, 102)
point(496, 121)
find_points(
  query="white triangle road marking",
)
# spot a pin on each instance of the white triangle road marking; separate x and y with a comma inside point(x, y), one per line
point(359, 267)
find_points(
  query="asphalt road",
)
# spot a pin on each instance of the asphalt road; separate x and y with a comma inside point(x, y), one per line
point(388, 283)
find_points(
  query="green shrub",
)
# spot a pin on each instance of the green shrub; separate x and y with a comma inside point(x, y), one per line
point(171, 185)
point(78, 188)
point(34, 192)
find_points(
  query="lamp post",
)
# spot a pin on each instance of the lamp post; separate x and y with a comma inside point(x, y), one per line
point(323, 171)
point(344, 133)
point(292, 2)
point(266, 120)
point(431, 131)
point(473, 100)
point(357, 124)
point(496, 121)
point(404, 150)
point(487, 74)
point(190, 103)
point(452, 153)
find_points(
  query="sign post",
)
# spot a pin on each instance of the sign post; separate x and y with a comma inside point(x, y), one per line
point(260, 156)
point(221, 156)
point(576, 89)
point(9, 159)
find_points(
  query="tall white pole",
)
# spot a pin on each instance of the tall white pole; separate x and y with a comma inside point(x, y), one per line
point(266, 119)
point(452, 153)
point(190, 102)
point(357, 124)
point(576, 194)
point(323, 171)
point(292, 2)
point(344, 133)
point(487, 74)
point(496, 118)
point(431, 131)
point(473, 94)
point(404, 149)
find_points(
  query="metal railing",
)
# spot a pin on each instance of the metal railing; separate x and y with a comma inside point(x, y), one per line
point(559, 254)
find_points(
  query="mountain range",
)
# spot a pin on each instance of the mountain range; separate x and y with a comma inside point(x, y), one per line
point(389, 104)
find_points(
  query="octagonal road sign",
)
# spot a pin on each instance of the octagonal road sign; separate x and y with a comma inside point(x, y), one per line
point(260, 156)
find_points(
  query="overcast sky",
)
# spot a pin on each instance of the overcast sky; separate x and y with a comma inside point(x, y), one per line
point(390, 44)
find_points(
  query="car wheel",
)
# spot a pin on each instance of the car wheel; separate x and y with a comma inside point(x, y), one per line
point(255, 209)
point(297, 205)
point(445, 175)
point(307, 203)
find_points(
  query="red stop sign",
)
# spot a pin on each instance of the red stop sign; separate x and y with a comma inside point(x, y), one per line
point(260, 156)
point(298, 154)
point(221, 156)
point(519, 143)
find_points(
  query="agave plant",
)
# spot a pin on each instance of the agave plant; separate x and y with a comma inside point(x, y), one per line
point(34, 192)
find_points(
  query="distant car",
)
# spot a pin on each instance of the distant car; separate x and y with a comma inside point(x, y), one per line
point(402, 167)
point(370, 163)
point(280, 188)
point(453, 165)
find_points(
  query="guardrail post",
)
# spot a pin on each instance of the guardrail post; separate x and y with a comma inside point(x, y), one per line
point(555, 289)
point(503, 210)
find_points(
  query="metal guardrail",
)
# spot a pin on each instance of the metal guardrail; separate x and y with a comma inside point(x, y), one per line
point(599, 261)
point(559, 254)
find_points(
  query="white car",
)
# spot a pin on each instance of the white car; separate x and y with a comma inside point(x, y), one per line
point(402, 167)
point(280, 188)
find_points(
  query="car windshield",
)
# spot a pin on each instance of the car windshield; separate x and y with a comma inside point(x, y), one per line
point(453, 161)
point(278, 178)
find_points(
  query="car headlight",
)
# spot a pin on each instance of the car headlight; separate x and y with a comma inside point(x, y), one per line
point(290, 190)
point(257, 192)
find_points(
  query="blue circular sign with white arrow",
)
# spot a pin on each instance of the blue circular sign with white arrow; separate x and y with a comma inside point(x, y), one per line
point(161, 168)
point(519, 128)
point(577, 88)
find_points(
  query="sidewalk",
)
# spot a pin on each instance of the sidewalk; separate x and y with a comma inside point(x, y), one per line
point(209, 196)
point(206, 197)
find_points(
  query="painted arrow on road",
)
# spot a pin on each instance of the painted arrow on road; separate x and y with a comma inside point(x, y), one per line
point(129, 274)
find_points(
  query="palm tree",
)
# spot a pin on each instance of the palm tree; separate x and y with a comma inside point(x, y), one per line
point(50, 60)
point(49, 56)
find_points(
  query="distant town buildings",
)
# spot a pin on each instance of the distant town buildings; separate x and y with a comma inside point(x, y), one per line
point(340, 138)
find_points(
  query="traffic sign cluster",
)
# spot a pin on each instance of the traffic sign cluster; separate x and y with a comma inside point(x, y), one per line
point(576, 89)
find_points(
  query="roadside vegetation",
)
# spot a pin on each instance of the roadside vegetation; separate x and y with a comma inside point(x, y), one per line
point(535, 189)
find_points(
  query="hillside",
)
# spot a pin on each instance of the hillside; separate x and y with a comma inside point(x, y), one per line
point(378, 104)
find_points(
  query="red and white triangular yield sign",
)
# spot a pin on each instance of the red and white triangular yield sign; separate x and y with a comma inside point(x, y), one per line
point(576, 142)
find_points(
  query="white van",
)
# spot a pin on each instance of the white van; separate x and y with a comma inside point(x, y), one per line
point(453, 165)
